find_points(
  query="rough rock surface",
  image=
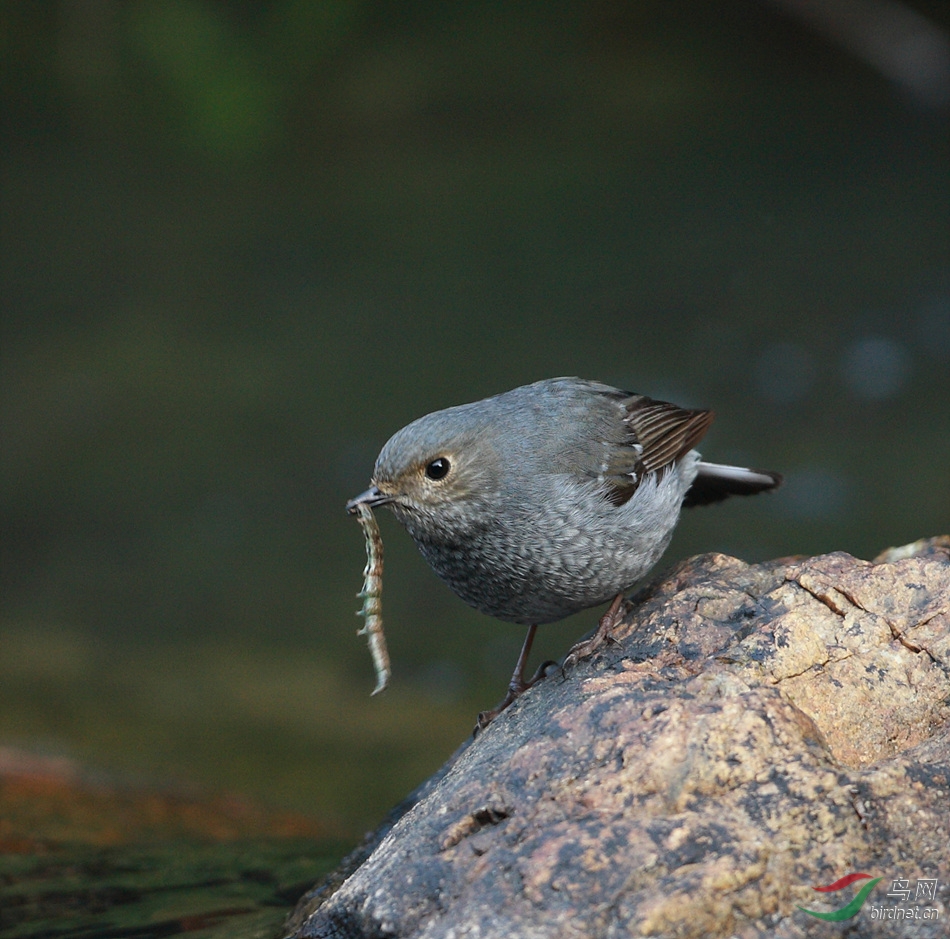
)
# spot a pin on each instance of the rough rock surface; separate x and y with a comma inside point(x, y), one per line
point(754, 732)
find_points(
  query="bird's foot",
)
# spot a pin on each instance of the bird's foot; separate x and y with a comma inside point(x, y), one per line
point(515, 690)
point(486, 717)
point(605, 628)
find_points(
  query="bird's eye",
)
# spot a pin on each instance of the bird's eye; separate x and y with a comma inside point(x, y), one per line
point(438, 468)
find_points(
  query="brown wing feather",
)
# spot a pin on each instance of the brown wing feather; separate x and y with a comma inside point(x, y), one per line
point(666, 432)
point(659, 433)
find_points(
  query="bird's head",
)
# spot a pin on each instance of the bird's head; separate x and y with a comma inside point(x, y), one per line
point(438, 474)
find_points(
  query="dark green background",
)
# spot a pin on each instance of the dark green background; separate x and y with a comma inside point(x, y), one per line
point(243, 243)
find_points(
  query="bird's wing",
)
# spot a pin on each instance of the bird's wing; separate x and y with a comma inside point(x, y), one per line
point(666, 432)
point(656, 434)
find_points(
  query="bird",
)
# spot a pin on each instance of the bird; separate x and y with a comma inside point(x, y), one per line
point(549, 499)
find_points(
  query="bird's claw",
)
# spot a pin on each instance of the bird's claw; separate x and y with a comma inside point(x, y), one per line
point(515, 691)
point(604, 634)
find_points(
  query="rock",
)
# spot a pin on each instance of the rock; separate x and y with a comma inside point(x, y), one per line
point(756, 731)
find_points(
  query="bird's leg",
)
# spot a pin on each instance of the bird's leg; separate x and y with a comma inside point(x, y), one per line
point(608, 623)
point(517, 686)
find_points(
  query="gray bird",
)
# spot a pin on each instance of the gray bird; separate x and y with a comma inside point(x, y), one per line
point(550, 498)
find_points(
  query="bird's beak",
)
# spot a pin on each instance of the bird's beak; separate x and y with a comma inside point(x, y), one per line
point(372, 497)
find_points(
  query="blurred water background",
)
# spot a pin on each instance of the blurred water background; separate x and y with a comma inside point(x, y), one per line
point(244, 243)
